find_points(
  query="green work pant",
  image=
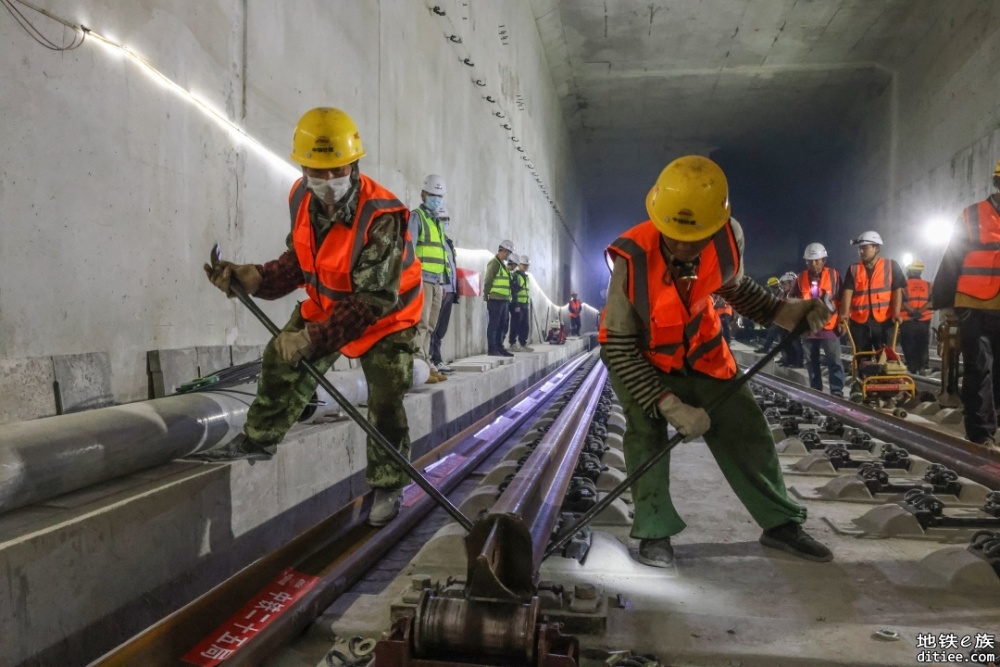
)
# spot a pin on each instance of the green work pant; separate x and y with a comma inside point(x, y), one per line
point(284, 391)
point(739, 439)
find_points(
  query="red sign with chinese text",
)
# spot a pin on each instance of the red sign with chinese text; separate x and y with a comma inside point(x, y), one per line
point(253, 617)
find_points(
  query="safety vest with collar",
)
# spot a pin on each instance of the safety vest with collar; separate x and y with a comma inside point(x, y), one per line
point(523, 293)
point(500, 289)
point(980, 274)
point(918, 293)
point(326, 270)
point(574, 308)
point(676, 335)
point(430, 245)
point(872, 292)
point(828, 284)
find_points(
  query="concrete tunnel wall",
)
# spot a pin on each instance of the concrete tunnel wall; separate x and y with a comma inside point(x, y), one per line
point(113, 188)
point(929, 144)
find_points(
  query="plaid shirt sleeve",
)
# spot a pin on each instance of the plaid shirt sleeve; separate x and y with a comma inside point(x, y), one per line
point(280, 277)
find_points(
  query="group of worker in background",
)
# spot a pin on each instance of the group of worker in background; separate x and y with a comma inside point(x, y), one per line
point(876, 296)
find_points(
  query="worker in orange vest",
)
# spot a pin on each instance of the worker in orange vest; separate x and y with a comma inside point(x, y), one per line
point(872, 296)
point(662, 343)
point(967, 289)
point(915, 331)
point(351, 251)
point(574, 308)
point(819, 281)
point(725, 312)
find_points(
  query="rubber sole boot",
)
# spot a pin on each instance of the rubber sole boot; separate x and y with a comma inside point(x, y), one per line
point(656, 553)
point(385, 507)
point(790, 538)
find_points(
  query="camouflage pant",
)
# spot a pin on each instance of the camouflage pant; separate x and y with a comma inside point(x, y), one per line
point(284, 391)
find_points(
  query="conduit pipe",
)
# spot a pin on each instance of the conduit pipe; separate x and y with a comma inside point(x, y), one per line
point(44, 458)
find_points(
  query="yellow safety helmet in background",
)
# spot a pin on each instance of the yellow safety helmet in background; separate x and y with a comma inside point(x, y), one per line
point(690, 200)
point(915, 265)
point(773, 281)
point(326, 138)
point(996, 169)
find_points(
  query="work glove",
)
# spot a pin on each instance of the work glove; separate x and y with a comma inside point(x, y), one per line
point(221, 275)
point(813, 311)
point(292, 346)
point(687, 419)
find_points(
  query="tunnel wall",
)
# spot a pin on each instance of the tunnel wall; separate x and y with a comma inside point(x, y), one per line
point(929, 143)
point(113, 188)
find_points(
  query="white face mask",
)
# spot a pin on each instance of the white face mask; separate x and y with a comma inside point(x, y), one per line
point(331, 190)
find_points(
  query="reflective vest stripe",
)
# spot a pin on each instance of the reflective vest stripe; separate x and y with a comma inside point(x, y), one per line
point(705, 348)
point(430, 244)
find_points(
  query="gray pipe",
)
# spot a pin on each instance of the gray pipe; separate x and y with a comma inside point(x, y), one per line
point(44, 458)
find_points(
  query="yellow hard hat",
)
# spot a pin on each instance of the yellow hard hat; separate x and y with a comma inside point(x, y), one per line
point(996, 169)
point(916, 265)
point(690, 200)
point(773, 281)
point(326, 138)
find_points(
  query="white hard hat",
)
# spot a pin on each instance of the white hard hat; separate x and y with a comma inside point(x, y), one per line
point(813, 250)
point(507, 244)
point(512, 258)
point(524, 260)
point(434, 184)
point(442, 213)
point(868, 238)
point(788, 276)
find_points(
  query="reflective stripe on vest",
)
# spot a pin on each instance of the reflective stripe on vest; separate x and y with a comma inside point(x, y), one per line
point(500, 289)
point(326, 271)
point(675, 335)
point(918, 293)
point(827, 285)
point(430, 244)
point(980, 274)
point(872, 293)
point(523, 295)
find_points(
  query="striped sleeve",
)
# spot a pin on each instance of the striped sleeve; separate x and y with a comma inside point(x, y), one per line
point(751, 300)
point(621, 351)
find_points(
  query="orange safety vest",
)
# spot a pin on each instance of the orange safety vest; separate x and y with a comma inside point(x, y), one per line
point(676, 334)
point(918, 292)
point(871, 293)
point(828, 285)
point(574, 308)
point(980, 274)
point(722, 307)
point(326, 271)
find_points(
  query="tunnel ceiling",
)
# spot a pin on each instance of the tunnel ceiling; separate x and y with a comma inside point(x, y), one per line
point(641, 82)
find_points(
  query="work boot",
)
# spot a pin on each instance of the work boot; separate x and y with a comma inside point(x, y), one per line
point(790, 538)
point(496, 353)
point(504, 353)
point(240, 447)
point(656, 552)
point(385, 507)
point(514, 347)
point(525, 348)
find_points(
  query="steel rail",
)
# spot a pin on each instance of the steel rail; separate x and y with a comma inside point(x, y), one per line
point(966, 458)
point(339, 550)
point(505, 548)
